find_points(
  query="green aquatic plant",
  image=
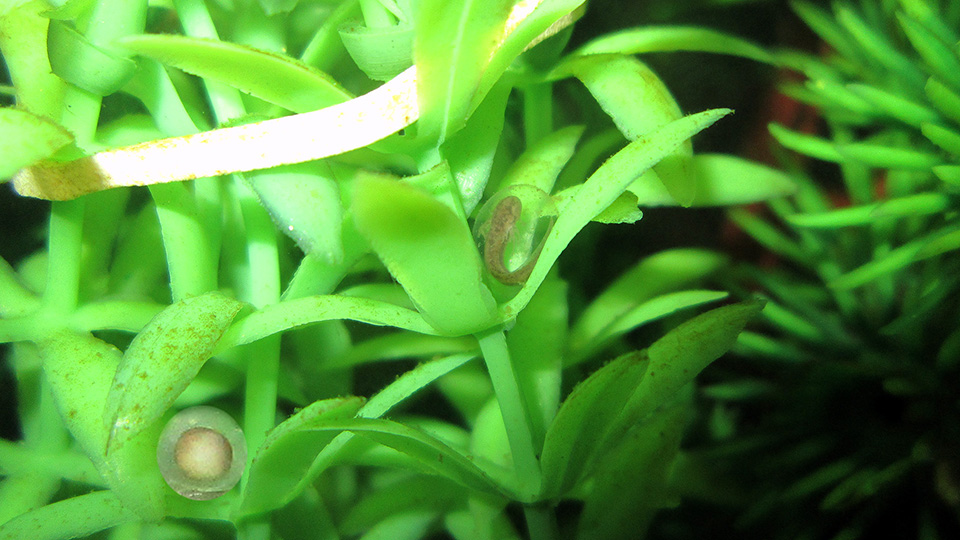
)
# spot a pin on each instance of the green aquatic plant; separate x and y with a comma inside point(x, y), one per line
point(843, 421)
point(361, 274)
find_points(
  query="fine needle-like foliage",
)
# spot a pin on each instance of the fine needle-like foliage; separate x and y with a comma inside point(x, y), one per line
point(843, 423)
point(345, 237)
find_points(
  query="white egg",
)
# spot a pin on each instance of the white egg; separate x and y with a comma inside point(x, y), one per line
point(201, 453)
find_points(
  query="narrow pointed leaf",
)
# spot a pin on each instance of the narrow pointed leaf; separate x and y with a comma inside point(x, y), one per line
point(673, 38)
point(603, 188)
point(26, 138)
point(80, 369)
point(454, 41)
point(639, 103)
point(289, 450)
point(655, 275)
point(424, 448)
point(76, 517)
point(313, 309)
point(676, 358)
point(721, 180)
point(162, 360)
point(428, 249)
point(272, 77)
point(583, 419)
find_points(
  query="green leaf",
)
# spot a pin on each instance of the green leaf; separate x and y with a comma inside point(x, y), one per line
point(26, 138)
point(82, 63)
point(312, 309)
point(536, 344)
point(540, 165)
point(721, 180)
point(603, 188)
point(80, 369)
point(547, 14)
point(408, 384)
point(272, 77)
point(806, 144)
point(583, 420)
point(401, 345)
point(673, 38)
point(639, 103)
point(426, 449)
point(76, 517)
point(867, 214)
point(889, 157)
point(471, 150)
point(162, 360)
point(945, 138)
point(825, 25)
point(381, 53)
point(597, 414)
point(643, 313)
point(429, 250)
point(304, 203)
point(877, 45)
point(289, 450)
point(938, 54)
point(943, 98)
point(653, 276)
point(632, 481)
point(403, 496)
point(676, 358)
point(894, 105)
point(453, 44)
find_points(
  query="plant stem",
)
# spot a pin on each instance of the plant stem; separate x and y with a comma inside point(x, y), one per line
point(196, 21)
point(496, 355)
point(64, 248)
point(263, 356)
point(537, 112)
point(191, 265)
point(541, 522)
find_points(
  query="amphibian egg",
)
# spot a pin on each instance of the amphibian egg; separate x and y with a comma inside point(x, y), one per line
point(202, 453)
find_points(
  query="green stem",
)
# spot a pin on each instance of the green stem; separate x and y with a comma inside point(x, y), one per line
point(541, 522)
point(516, 419)
point(263, 356)
point(196, 21)
point(325, 47)
point(15, 299)
point(262, 281)
point(63, 264)
point(317, 276)
point(537, 112)
point(81, 113)
point(191, 263)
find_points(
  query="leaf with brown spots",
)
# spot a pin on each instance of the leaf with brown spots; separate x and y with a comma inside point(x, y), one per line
point(80, 368)
point(162, 360)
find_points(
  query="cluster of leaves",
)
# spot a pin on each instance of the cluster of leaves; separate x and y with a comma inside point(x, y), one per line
point(148, 301)
point(843, 424)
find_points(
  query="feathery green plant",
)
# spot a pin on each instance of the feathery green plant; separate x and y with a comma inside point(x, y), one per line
point(416, 257)
point(844, 423)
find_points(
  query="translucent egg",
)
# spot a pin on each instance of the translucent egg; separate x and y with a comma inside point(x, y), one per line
point(511, 228)
point(202, 453)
